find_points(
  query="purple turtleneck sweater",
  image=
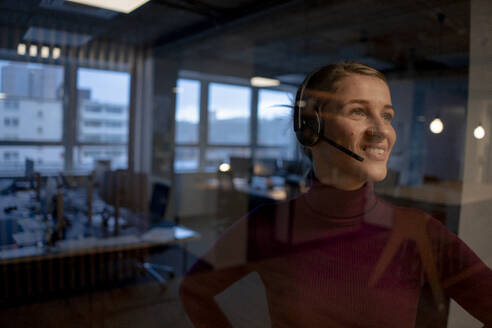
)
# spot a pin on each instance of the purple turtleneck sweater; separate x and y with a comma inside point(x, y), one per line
point(337, 258)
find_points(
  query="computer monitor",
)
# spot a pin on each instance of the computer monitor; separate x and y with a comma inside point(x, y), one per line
point(241, 167)
point(293, 167)
point(159, 201)
point(265, 167)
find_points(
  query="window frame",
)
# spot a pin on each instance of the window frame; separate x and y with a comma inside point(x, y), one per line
point(69, 101)
point(203, 144)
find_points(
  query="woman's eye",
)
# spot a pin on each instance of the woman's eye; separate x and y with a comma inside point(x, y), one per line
point(387, 117)
point(358, 112)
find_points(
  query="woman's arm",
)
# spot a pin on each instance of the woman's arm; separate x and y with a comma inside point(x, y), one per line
point(223, 265)
point(197, 292)
point(465, 278)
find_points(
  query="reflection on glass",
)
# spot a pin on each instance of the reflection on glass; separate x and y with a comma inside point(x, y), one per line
point(103, 100)
point(228, 114)
point(187, 111)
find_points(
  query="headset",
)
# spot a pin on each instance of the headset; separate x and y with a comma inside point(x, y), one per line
point(308, 124)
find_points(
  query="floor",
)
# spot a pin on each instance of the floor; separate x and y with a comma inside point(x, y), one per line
point(143, 303)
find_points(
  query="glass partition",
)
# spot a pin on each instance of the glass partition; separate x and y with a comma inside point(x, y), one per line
point(173, 190)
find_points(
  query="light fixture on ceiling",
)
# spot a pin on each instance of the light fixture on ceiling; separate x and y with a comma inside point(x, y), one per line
point(479, 132)
point(122, 6)
point(436, 125)
point(56, 53)
point(259, 81)
point(33, 50)
point(45, 52)
point(21, 49)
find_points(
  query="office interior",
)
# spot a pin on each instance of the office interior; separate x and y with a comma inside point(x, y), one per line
point(118, 130)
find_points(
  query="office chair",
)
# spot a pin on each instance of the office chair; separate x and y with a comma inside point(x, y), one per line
point(158, 205)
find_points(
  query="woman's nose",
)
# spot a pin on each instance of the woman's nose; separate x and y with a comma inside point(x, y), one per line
point(378, 129)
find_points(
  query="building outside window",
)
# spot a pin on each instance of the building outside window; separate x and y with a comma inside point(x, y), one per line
point(28, 89)
point(103, 118)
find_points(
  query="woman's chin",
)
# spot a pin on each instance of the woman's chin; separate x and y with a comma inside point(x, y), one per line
point(376, 175)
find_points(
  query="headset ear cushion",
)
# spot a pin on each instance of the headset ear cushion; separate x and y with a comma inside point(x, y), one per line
point(310, 128)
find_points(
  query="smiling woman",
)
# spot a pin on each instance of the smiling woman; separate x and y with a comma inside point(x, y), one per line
point(338, 255)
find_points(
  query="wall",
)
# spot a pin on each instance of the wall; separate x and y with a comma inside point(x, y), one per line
point(475, 223)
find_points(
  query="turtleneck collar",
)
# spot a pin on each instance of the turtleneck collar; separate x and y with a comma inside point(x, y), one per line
point(340, 205)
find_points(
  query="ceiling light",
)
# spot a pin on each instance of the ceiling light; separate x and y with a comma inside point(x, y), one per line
point(479, 132)
point(33, 50)
point(45, 52)
point(123, 6)
point(56, 53)
point(436, 126)
point(21, 49)
point(258, 81)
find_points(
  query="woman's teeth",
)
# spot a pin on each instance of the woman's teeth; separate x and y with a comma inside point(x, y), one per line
point(377, 151)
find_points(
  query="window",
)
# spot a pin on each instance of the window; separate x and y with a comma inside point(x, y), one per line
point(187, 154)
point(29, 89)
point(85, 156)
point(47, 158)
point(11, 104)
point(229, 110)
point(113, 124)
point(92, 108)
point(187, 111)
point(215, 156)
point(274, 118)
point(11, 121)
point(93, 123)
point(103, 102)
point(275, 124)
point(186, 158)
point(34, 92)
point(228, 125)
point(114, 109)
point(11, 156)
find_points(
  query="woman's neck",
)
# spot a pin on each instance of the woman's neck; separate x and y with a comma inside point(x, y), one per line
point(337, 178)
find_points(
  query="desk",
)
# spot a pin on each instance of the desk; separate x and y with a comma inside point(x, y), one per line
point(80, 262)
point(275, 193)
point(86, 246)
